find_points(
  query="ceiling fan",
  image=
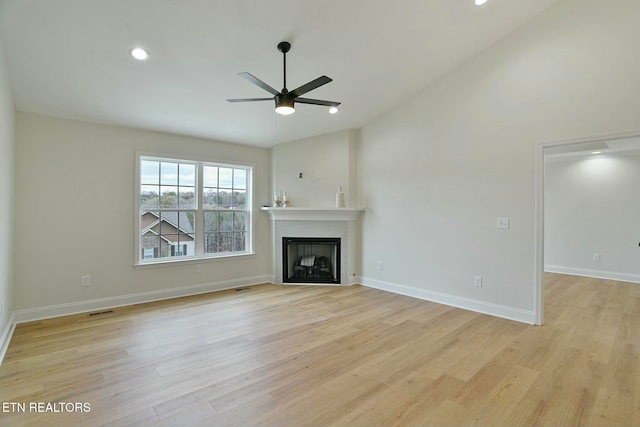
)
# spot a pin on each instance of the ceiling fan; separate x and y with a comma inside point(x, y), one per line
point(284, 99)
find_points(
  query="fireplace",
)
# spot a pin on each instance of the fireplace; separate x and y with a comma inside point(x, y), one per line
point(316, 224)
point(311, 260)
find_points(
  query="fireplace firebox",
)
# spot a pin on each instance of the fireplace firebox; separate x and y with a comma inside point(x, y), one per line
point(311, 260)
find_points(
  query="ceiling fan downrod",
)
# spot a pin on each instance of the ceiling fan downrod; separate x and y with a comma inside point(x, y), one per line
point(284, 47)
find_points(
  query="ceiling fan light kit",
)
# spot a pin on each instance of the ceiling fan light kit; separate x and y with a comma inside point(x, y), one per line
point(284, 104)
point(285, 100)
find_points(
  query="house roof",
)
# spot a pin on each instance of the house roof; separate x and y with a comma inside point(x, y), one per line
point(179, 220)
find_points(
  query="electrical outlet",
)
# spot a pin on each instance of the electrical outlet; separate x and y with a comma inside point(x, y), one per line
point(477, 281)
point(86, 281)
point(198, 268)
point(503, 223)
point(318, 174)
point(380, 265)
point(596, 257)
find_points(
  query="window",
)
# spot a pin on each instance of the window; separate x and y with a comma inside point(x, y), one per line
point(191, 209)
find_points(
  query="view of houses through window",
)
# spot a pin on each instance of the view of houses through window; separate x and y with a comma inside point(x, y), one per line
point(192, 209)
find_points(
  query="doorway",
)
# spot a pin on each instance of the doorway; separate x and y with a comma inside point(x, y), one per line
point(606, 145)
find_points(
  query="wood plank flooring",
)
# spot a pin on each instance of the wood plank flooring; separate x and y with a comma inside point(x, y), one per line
point(332, 356)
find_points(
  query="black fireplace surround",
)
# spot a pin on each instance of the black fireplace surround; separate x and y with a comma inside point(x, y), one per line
point(311, 260)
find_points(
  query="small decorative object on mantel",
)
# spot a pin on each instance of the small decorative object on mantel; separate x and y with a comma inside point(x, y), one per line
point(340, 198)
point(280, 199)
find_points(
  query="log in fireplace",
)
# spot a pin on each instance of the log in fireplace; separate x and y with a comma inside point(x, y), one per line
point(311, 260)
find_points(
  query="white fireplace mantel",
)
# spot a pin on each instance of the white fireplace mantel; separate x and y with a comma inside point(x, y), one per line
point(313, 214)
point(339, 223)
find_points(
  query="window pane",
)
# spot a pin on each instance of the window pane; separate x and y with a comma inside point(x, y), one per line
point(239, 221)
point(225, 199)
point(187, 222)
point(149, 222)
point(210, 198)
point(168, 197)
point(211, 244)
point(239, 242)
point(149, 197)
point(211, 220)
point(170, 243)
point(226, 221)
point(185, 245)
point(225, 242)
point(168, 173)
point(168, 223)
point(240, 199)
point(150, 247)
point(226, 177)
point(187, 175)
point(149, 172)
point(210, 178)
point(187, 198)
point(239, 179)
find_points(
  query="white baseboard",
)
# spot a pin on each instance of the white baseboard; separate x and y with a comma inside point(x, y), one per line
point(598, 274)
point(47, 312)
point(506, 312)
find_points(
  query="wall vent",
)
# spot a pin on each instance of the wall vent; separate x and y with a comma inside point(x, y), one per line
point(99, 313)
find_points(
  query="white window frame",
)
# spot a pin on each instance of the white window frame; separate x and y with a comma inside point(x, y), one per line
point(199, 254)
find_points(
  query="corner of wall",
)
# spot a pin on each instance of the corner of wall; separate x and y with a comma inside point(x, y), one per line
point(7, 192)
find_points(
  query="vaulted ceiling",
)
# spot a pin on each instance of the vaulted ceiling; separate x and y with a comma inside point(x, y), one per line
point(70, 58)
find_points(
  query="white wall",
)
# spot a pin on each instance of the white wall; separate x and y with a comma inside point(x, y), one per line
point(592, 206)
point(333, 155)
point(7, 150)
point(440, 168)
point(75, 215)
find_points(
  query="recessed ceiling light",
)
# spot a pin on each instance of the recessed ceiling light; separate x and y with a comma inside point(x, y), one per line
point(139, 53)
point(596, 152)
point(333, 110)
point(480, 2)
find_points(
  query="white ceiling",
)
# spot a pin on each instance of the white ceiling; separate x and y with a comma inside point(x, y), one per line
point(69, 58)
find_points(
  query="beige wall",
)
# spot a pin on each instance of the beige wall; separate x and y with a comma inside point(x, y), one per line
point(333, 155)
point(76, 179)
point(7, 149)
point(438, 170)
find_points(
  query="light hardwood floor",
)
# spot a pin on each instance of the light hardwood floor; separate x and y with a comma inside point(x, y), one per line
point(334, 356)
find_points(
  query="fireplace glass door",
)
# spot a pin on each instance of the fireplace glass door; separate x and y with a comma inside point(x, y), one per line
point(311, 260)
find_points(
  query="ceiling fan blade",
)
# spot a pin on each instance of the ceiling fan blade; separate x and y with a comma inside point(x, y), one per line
point(317, 102)
point(311, 86)
point(250, 99)
point(256, 81)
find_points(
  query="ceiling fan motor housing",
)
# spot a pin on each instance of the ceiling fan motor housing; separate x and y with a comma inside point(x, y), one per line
point(284, 100)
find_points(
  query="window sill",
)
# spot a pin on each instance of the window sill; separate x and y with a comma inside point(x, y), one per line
point(189, 261)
